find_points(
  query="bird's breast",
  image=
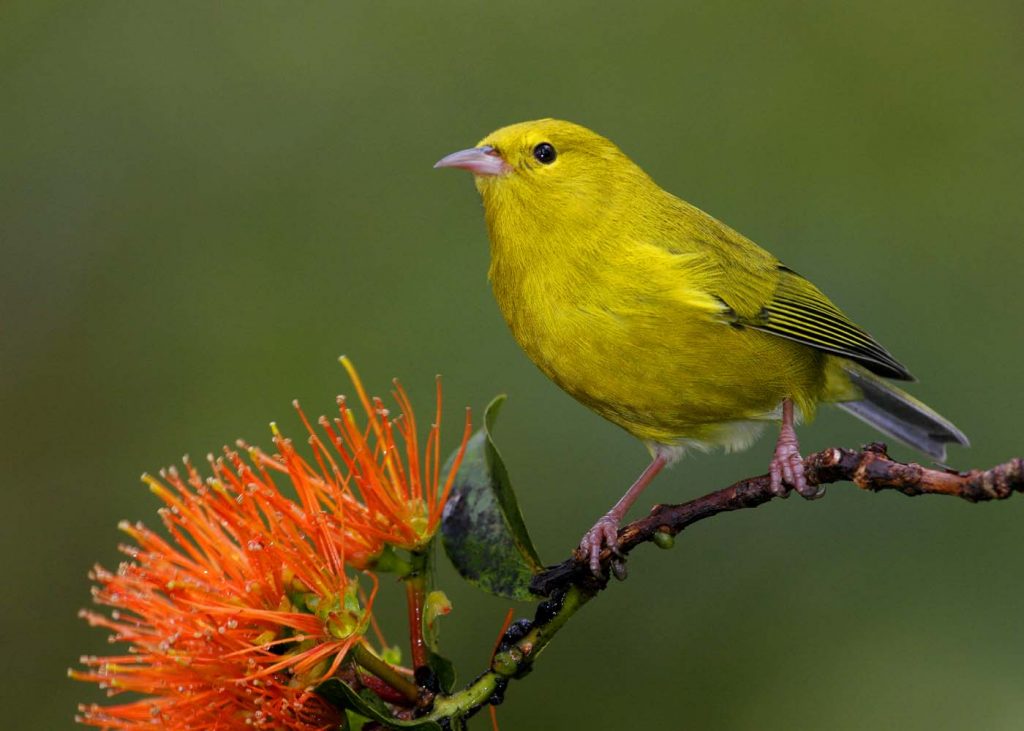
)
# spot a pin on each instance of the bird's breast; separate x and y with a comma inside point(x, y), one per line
point(640, 348)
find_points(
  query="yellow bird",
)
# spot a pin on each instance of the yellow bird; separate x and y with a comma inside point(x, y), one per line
point(664, 320)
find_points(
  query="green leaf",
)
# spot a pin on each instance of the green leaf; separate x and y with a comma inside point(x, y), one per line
point(355, 721)
point(482, 528)
point(444, 670)
point(367, 704)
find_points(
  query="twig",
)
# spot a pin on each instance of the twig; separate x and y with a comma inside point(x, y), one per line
point(394, 679)
point(870, 468)
point(570, 584)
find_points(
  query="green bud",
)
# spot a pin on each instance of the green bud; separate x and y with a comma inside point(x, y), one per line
point(664, 539)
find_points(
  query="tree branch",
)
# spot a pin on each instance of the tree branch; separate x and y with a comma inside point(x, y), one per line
point(870, 468)
point(570, 584)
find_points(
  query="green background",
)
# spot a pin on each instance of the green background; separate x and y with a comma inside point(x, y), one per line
point(203, 204)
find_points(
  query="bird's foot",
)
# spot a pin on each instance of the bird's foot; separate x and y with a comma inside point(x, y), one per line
point(604, 533)
point(787, 468)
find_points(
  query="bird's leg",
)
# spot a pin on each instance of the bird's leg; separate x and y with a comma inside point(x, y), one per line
point(787, 467)
point(606, 530)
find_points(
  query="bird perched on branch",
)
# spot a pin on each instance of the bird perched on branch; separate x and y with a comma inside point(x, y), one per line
point(664, 320)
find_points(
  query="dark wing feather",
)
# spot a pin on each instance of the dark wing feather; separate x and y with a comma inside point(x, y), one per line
point(800, 311)
point(758, 292)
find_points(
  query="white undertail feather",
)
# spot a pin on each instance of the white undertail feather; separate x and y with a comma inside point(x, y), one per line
point(732, 436)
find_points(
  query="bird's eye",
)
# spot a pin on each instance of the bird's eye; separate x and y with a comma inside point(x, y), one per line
point(545, 153)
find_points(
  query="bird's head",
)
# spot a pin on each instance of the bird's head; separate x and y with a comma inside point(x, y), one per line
point(546, 168)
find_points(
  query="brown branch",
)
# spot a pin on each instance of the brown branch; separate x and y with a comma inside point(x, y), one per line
point(869, 469)
point(570, 585)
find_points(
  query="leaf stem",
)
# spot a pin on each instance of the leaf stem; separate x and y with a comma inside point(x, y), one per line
point(366, 659)
point(415, 596)
point(515, 655)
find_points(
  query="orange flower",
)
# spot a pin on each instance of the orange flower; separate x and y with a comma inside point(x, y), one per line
point(374, 474)
point(230, 624)
point(233, 621)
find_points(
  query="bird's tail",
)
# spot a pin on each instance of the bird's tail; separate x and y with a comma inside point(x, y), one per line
point(896, 413)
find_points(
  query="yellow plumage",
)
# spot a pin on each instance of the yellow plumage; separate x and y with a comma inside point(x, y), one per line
point(654, 314)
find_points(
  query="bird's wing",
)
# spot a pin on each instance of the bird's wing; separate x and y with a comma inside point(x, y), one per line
point(759, 292)
point(797, 310)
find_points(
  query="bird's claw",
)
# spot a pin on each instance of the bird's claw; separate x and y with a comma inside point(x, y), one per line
point(604, 533)
point(787, 470)
point(787, 467)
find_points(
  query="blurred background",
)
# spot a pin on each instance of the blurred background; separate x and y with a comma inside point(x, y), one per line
point(203, 204)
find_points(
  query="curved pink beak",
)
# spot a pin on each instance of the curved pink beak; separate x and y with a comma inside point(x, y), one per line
point(477, 160)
